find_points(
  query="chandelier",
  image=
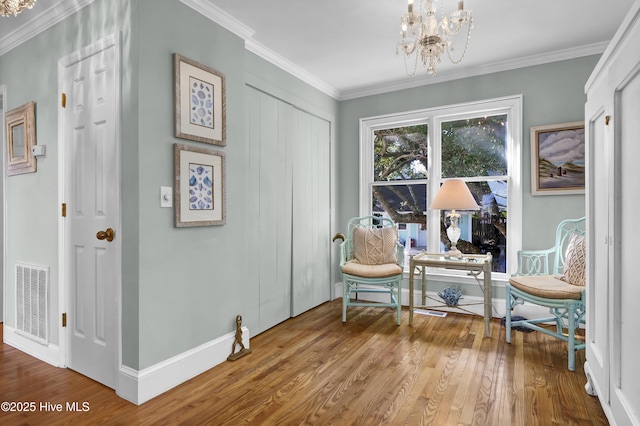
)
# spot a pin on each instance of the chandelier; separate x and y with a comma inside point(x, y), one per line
point(423, 35)
point(13, 7)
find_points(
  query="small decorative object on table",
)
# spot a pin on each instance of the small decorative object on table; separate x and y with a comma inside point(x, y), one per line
point(450, 295)
point(238, 341)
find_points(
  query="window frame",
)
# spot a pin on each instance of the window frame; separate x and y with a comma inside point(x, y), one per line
point(433, 117)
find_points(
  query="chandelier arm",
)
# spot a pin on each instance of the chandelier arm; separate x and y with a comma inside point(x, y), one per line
point(466, 45)
point(13, 7)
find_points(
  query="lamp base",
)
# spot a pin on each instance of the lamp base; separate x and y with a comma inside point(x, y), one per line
point(454, 254)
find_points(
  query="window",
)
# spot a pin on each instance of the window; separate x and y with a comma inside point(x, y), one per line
point(406, 157)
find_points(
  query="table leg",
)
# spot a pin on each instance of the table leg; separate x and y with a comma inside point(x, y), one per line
point(424, 286)
point(487, 299)
point(411, 268)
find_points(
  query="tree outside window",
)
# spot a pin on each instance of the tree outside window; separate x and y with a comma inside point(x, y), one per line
point(473, 149)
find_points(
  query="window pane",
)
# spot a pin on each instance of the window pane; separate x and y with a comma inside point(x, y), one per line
point(400, 154)
point(484, 230)
point(406, 206)
point(474, 147)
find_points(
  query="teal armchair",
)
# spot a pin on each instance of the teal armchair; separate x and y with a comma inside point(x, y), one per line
point(371, 261)
point(553, 278)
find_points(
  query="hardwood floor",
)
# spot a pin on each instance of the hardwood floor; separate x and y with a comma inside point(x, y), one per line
point(313, 369)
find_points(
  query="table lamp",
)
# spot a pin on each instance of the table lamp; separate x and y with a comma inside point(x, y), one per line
point(454, 195)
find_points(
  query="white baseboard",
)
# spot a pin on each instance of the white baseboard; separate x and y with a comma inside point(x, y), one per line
point(139, 387)
point(49, 353)
point(499, 305)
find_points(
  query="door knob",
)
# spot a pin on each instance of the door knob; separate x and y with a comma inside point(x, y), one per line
point(105, 235)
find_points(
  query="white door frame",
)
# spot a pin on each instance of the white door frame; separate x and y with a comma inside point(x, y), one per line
point(3, 216)
point(115, 40)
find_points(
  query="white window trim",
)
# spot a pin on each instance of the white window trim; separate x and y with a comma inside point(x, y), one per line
point(510, 105)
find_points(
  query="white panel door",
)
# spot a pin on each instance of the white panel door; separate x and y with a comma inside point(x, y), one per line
point(625, 369)
point(92, 194)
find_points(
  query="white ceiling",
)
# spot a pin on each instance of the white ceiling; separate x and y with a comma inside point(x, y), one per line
point(347, 48)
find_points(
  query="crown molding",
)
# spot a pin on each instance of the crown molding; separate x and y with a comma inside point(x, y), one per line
point(220, 17)
point(231, 24)
point(58, 12)
point(41, 22)
point(473, 71)
point(291, 68)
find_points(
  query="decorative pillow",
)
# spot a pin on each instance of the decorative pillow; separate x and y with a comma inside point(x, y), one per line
point(375, 246)
point(575, 267)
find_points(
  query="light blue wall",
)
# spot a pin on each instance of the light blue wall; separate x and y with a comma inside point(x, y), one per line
point(180, 287)
point(31, 74)
point(552, 93)
point(183, 287)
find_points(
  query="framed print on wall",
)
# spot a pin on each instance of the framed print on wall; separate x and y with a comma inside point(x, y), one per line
point(200, 104)
point(21, 137)
point(557, 159)
point(199, 186)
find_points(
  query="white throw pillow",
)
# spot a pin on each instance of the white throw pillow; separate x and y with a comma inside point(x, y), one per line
point(575, 261)
point(375, 246)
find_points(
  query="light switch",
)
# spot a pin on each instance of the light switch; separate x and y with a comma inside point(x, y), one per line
point(166, 196)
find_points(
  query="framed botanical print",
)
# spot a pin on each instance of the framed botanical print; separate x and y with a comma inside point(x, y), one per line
point(557, 159)
point(199, 186)
point(200, 110)
point(21, 138)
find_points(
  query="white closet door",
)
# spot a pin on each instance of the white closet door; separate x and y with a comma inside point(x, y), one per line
point(600, 184)
point(625, 345)
point(269, 206)
point(288, 232)
point(311, 212)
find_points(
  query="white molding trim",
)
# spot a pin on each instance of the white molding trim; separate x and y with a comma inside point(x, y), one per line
point(3, 222)
point(139, 387)
point(498, 311)
point(220, 17)
point(40, 23)
point(230, 23)
point(474, 71)
point(225, 20)
point(284, 64)
point(60, 11)
point(49, 353)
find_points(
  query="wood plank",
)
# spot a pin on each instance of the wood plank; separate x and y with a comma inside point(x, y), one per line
point(313, 369)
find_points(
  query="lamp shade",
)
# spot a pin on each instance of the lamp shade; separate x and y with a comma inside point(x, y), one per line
point(454, 194)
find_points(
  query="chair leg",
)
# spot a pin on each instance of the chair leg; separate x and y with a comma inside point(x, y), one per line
point(399, 299)
point(345, 292)
point(572, 336)
point(508, 314)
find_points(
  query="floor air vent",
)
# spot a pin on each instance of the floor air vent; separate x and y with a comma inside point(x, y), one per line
point(32, 313)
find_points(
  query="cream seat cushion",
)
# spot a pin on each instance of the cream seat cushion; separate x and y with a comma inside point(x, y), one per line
point(353, 267)
point(547, 286)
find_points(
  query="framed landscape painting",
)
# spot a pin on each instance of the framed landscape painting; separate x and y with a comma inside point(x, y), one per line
point(199, 186)
point(200, 110)
point(557, 159)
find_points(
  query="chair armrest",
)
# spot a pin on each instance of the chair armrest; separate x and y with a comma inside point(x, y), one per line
point(534, 262)
point(343, 254)
point(400, 254)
